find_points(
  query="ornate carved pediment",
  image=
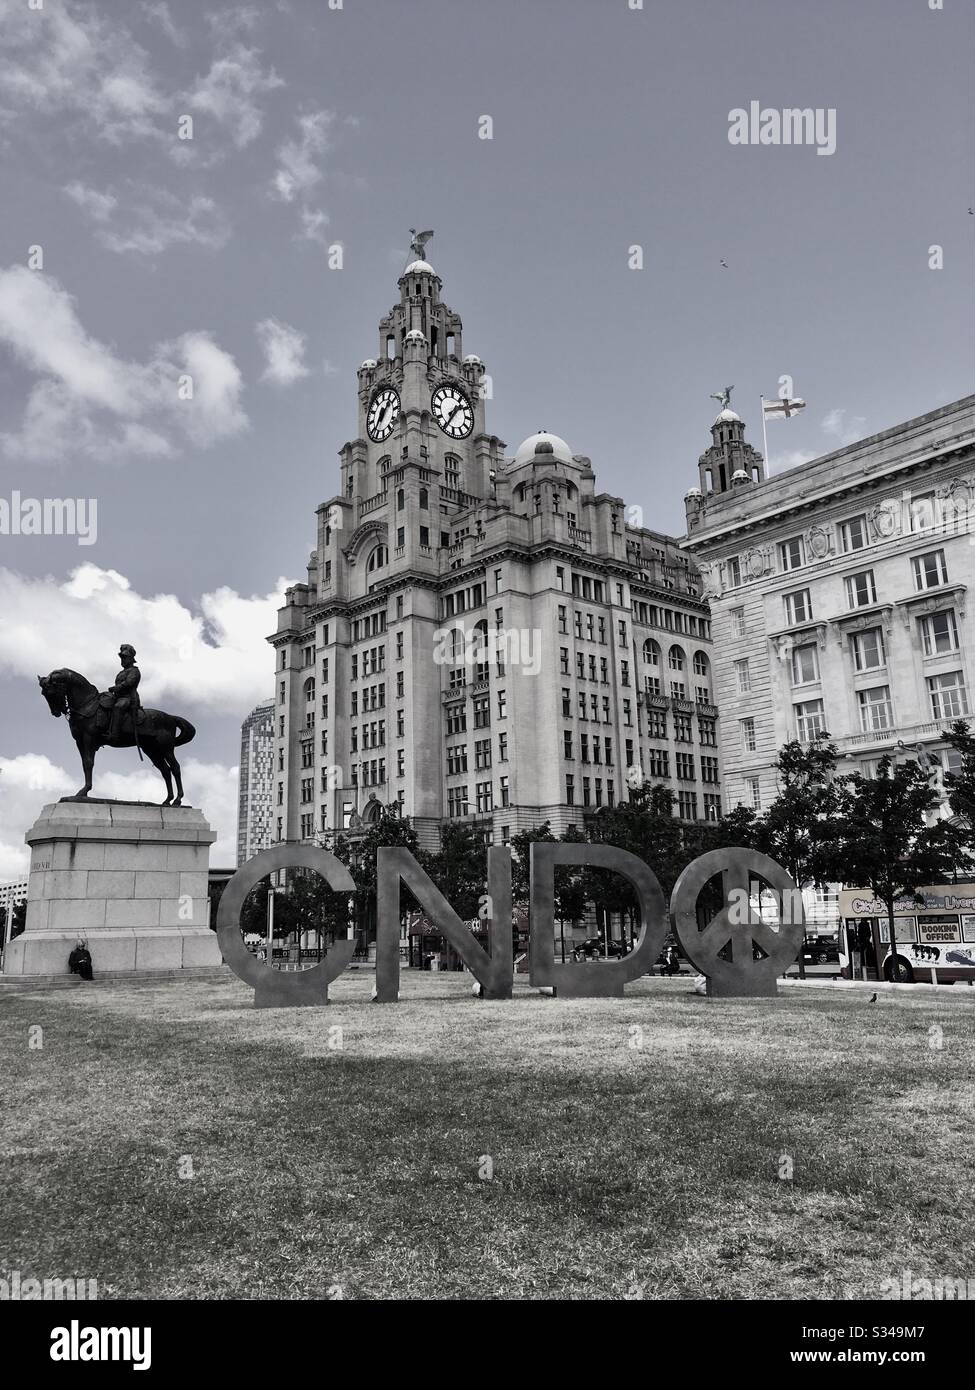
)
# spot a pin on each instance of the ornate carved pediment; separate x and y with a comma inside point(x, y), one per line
point(369, 531)
point(878, 615)
point(884, 519)
point(921, 605)
point(819, 542)
point(757, 562)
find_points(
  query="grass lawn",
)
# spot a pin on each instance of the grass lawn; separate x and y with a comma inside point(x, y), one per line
point(618, 1170)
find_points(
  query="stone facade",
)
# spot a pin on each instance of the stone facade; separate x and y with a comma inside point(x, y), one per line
point(129, 878)
point(255, 787)
point(838, 592)
point(481, 637)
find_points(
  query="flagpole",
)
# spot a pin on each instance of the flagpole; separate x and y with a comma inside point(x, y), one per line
point(765, 437)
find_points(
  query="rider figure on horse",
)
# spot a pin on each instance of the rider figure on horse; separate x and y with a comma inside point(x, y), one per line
point(125, 692)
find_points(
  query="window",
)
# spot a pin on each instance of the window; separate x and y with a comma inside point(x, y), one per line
point(682, 728)
point(709, 769)
point(484, 797)
point(502, 704)
point(810, 720)
point(939, 633)
point(482, 712)
point(707, 733)
point(685, 767)
point(503, 786)
point(860, 589)
point(400, 537)
point(868, 649)
point(502, 748)
point(659, 760)
point(567, 743)
point(656, 724)
point(456, 719)
point(377, 558)
point(805, 664)
point(753, 793)
point(798, 607)
point(737, 622)
point(790, 554)
point(456, 801)
point(482, 754)
point(424, 535)
point(712, 806)
point(929, 570)
point(676, 659)
point(687, 805)
point(563, 619)
point(747, 735)
point(875, 710)
point(949, 698)
point(732, 572)
point(853, 534)
point(743, 677)
point(570, 789)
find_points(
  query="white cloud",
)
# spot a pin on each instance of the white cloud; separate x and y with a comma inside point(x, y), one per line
point(67, 58)
point(313, 224)
point(151, 219)
point(158, 13)
point(229, 93)
point(284, 352)
point(791, 458)
point(30, 781)
point(836, 425)
point(213, 656)
point(297, 170)
point(91, 401)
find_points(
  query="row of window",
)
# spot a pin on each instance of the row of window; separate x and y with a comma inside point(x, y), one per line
point(946, 692)
point(458, 802)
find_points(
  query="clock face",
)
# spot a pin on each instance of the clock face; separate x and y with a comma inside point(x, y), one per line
point(383, 413)
point(453, 412)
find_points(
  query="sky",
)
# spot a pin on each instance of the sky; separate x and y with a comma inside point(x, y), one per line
point(176, 178)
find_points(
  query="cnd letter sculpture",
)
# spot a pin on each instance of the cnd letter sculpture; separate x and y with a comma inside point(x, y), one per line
point(727, 932)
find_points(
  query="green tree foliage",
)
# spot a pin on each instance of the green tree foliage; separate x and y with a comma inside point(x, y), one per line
point(880, 840)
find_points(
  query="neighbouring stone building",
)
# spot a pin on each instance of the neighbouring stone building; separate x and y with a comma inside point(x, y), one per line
point(255, 788)
point(481, 637)
point(838, 593)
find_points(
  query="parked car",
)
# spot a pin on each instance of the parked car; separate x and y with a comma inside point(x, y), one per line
point(820, 949)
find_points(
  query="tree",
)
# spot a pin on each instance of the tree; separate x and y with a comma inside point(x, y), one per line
point(459, 867)
point(18, 920)
point(357, 850)
point(960, 787)
point(521, 860)
point(880, 840)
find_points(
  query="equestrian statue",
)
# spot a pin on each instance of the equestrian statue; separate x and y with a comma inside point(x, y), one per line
point(116, 719)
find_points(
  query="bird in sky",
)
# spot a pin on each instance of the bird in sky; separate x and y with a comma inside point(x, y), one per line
point(725, 263)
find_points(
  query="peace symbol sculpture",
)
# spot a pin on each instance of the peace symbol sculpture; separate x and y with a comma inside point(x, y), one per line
point(739, 950)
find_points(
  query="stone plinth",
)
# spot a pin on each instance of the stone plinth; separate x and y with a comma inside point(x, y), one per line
point(128, 877)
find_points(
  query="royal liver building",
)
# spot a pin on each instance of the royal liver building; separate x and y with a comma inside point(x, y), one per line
point(482, 636)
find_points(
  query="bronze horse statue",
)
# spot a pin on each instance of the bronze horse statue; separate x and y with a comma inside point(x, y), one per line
point(158, 733)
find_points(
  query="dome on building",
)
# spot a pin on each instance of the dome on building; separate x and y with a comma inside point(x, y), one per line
point(692, 492)
point(727, 415)
point(472, 360)
point(368, 364)
point(740, 475)
point(529, 447)
point(419, 268)
point(415, 335)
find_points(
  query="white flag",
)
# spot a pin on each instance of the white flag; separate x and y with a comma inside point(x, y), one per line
point(783, 408)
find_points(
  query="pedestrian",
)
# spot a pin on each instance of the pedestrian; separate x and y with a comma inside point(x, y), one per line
point(79, 961)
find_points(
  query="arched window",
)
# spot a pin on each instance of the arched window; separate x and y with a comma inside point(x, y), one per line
point(309, 689)
point(702, 678)
point(652, 656)
point(378, 558)
point(400, 500)
point(676, 659)
point(385, 463)
point(451, 471)
point(651, 652)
